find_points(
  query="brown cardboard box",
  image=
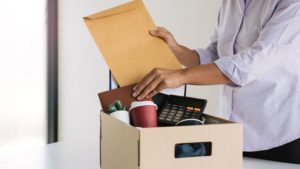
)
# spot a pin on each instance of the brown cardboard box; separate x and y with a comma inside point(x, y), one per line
point(125, 147)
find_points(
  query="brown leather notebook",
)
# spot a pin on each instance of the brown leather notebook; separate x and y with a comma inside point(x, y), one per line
point(123, 94)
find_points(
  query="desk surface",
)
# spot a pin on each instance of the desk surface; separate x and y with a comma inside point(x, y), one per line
point(68, 156)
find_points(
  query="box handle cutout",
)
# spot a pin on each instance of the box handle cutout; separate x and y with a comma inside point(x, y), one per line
point(195, 149)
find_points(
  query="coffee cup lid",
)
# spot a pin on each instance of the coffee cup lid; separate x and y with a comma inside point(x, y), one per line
point(141, 103)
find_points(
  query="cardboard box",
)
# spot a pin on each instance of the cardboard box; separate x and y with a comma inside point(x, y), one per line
point(125, 147)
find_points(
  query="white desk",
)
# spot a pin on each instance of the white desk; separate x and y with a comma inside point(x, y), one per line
point(68, 156)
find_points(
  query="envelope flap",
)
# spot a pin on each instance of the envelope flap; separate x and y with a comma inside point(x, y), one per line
point(116, 10)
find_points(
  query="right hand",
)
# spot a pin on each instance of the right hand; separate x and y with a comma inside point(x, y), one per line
point(165, 35)
point(186, 56)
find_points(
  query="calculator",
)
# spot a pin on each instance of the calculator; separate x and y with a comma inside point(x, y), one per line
point(172, 108)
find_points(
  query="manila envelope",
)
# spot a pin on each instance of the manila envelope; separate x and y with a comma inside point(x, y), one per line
point(121, 34)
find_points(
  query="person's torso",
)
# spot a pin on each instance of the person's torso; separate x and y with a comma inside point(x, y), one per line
point(269, 106)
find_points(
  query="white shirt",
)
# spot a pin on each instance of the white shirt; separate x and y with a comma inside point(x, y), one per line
point(257, 45)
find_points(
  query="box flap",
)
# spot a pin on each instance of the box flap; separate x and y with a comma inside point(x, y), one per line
point(119, 144)
point(159, 146)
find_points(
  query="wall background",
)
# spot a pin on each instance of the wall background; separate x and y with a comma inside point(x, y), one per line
point(83, 73)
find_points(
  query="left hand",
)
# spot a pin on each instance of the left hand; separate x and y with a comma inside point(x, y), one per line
point(156, 81)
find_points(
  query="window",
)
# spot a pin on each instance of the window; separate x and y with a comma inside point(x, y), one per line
point(24, 67)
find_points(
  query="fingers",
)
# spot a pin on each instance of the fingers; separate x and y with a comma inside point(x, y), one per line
point(163, 29)
point(156, 81)
point(160, 34)
point(159, 88)
point(152, 87)
point(149, 84)
point(141, 85)
point(165, 35)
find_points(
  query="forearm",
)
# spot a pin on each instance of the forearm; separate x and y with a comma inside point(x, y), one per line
point(160, 79)
point(187, 57)
point(208, 74)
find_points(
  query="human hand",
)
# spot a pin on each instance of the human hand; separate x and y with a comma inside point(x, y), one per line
point(165, 35)
point(156, 81)
point(186, 56)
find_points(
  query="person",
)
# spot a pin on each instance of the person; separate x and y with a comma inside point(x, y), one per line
point(255, 52)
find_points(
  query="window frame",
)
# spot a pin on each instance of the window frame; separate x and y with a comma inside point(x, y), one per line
point(52, 71)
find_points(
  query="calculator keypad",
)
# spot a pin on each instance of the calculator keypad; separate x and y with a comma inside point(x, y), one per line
point(171, 113)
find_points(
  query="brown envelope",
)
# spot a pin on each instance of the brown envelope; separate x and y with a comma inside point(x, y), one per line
point(121, 34)
point(123, 94)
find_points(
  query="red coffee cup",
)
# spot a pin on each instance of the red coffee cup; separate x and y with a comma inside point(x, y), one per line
point(143, 114)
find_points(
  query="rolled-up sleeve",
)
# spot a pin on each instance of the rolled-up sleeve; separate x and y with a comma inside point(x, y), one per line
point(280, 35)
point(210, 54)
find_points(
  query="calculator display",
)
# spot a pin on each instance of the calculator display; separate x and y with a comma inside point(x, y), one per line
point(186, 101)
